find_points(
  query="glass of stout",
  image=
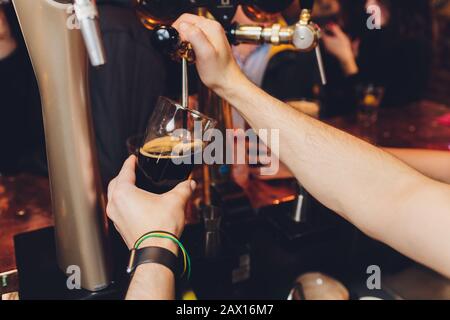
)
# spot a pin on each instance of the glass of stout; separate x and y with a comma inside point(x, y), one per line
point(172, 145)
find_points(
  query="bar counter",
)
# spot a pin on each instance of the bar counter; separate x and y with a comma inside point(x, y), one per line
point(415, 126)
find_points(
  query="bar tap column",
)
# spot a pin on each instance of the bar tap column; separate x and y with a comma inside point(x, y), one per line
point(59, 59)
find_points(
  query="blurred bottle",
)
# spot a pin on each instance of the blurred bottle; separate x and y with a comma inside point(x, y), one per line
point(156, 12)
point(369, 101)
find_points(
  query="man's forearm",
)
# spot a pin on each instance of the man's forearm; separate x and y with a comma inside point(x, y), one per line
point(329, 162)
point(375, 191)
point(153, 281)
point(433, 164)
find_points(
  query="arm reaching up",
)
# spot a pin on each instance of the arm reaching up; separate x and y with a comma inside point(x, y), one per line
point(378, 193)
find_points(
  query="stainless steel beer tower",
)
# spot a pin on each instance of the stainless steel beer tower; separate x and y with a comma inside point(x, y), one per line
point(59, 58)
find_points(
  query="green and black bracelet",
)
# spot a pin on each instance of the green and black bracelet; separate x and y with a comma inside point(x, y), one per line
point(158, 255)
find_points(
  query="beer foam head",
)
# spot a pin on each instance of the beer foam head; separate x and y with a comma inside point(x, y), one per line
point(169, 147)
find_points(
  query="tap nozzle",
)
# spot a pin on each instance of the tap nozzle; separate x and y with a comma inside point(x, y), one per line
point(87, 15)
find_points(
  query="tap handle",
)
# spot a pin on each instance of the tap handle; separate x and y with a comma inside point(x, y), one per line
point(231, 33)
point(87, 15)
point(167, 40)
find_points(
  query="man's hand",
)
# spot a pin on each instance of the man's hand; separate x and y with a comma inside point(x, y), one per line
point(7, 42)
point(136, 212)
point(215, 62)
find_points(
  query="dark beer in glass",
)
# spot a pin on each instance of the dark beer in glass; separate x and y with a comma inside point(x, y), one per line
point(172, 145)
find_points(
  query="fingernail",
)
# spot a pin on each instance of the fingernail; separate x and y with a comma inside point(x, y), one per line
point(193, 185)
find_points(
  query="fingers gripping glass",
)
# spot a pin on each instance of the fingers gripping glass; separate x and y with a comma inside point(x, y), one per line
point(171, 147)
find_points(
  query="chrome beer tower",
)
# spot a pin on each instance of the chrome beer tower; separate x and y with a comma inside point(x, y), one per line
point(59, 57)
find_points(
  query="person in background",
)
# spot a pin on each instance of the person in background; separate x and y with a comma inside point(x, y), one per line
point(294, 76)
point(252, 58)
point(21, 129)
point(396, 57)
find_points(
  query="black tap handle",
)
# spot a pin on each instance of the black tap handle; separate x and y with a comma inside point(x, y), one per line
point(230, 32)
point(165, 39)
point(307, 4)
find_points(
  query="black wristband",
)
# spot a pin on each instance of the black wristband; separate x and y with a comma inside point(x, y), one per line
point(153, 255)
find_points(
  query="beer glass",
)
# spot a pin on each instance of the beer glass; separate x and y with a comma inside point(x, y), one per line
point(171, 147)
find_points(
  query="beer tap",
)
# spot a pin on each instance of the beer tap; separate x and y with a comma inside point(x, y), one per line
point(60, 63)
point(167, 40)
point(304, 35)
point(87, 15)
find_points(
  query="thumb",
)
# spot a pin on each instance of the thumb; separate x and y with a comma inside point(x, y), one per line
point(127, 174)
point(184, 190)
